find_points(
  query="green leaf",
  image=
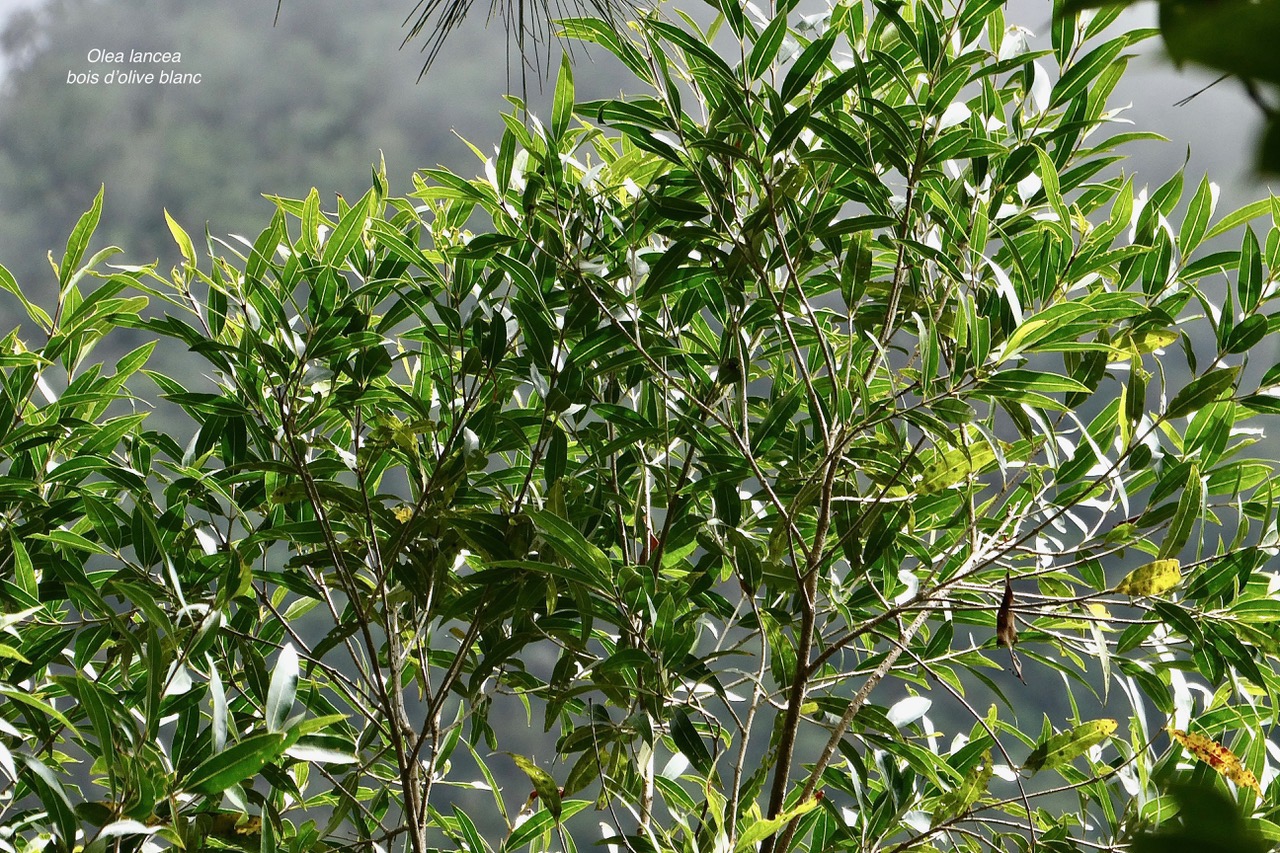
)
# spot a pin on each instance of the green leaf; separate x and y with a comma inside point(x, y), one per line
point(1239, 217)
point(766, 47)
point(323, 749)
point(1249, 283)
point(35, 312)
point(562, 103)
point(955, 466)
point(24, 571)
point(806, 66)
point(571, 544)
point(283, 689)
point(1200, 392)
point(475, 842)
point(689, 742)
point(34, 702)
point(79, 240)
point(1063, 748)
point(540, 822)
point(1052, 191)
point(53, 796)
point(235, 764)
point(764, 827)
point(1085, 71)
point(1196, 221)
point(548, 790)
point(348, 233)
point(180, 237)
point(1047, 327)
point(1246, 335)
point(959, 800)
point(1190, 508)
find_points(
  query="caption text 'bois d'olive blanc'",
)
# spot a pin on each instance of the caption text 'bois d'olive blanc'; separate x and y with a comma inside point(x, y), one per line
point(132, 76)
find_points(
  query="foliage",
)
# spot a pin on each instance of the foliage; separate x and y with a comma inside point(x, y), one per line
point(702, 432)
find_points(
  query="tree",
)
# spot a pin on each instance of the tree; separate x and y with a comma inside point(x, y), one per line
point(751, 421)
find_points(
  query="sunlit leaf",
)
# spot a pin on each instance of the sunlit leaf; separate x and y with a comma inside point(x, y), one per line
point(546, 787)
point(1152, 578)
point(1218, 757)
point(960, 799)
point(234, 764)
point(1063, 748)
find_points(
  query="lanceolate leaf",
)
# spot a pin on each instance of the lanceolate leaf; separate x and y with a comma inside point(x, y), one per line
point(53, 796)
point(235, 764)
point(1218, 757)
point(571, 544)
point(1063, 748)
point(766, 47)
point(955, 466)
point(1200, 392)
point(764, 827)
point(562, 105)
point(1190, 508)
point(808, 64)
point(863, 328)
point(283, 689)
point(1151, 579)
point(79, 239)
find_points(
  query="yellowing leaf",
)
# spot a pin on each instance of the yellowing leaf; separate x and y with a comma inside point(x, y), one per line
point(1098, 610)
point(1218, 757)
point(1152, 579)
point(1062, 748)
point(1145, 341)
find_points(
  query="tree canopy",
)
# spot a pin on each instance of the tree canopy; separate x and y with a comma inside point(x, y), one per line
point(829, 448)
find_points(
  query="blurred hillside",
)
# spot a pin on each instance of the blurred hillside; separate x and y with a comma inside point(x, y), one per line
point(308, 102)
